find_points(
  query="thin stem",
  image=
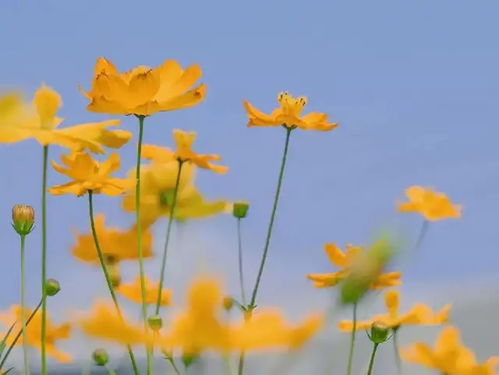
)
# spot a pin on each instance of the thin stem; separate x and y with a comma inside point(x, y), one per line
point(272, 218)
point(398, 360)
point(110, 371)
point(422, 234)
point(171, 218)
point(43, 348)
point(352, 340)
point(106, 273)
point(23, 307)
point(240, 261)
point(240, 367)
point(174, 365)
point(371, 361)
point(139, 239)
point(18, 335)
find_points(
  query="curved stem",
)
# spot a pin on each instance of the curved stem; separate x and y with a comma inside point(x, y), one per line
point(23, 308)
point(44, 263)
point(106, 273)
point(19, 334)
point(139, 239)
point(171, 218)
point(371, 361)
point(240, 261)
point(352, 340)
point(174, 365)
point(398, 360)
point(272, 218)
point(240, 367)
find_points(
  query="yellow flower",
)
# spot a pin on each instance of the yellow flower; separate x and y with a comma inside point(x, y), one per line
point(20, 121)
point(143, 91)
point(33, 332)
point(117, 245)
point(89, 174)
point(432, 205)
point(449, 356)
point(289, 115)
point(157, 188)
point(132, 291)
point(419, 314)
point(345, 260)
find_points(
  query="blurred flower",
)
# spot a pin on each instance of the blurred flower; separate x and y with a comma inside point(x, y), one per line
point(449, 356)
point(419, 314)
point(89, 174)
point(20, 121)
point(132, 291)
point(157, 188)
point(143, 91)
point(289, 115)
point(344, 261)
point(431, 205)
point(33, 332)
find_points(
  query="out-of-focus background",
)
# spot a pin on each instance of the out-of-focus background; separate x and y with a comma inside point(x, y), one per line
point(413, 84)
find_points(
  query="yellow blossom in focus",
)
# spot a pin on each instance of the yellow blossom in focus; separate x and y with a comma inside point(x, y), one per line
point(33, 332)
point(289, 115)
point(419, 314)
point(20, 121)
point(345, 260)
point(89, 174)
point(431, 205)
point(132, 291)
point(143, 91)
point(116, 244)
point(449, 356)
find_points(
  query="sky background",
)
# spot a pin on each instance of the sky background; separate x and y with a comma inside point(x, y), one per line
point(414, 86)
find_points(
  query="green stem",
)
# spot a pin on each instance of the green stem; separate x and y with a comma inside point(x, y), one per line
point(352, 340)
point(139, 238)
point(23, 307)
point(398, 360)
point(371, 361)
point(19, 334)
point(272, 218)
point(110, 371)
point(422, 234)
point(171, 218)
point(106, 273)
point(44, 262)
point(240, 261)
point(240, 367)
point(174, 365)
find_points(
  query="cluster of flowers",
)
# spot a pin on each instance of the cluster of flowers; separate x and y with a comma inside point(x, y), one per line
point(164, 186)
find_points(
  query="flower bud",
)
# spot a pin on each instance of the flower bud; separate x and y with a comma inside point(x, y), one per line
point(155, 322)
point(114, 275)
point(188, 359)
point(100, 357)
point(379, 333)
point(23, 219)
point(240, 209)
point(228, 303)
point(52, 287)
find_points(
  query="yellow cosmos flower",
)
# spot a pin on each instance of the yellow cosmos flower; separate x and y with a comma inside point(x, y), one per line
point(157, 189)
point(345, 260)
point(449, 356)
point(20, 121)
point(33, 332)
point(431, 205)
point(144, 91)
point(419, 314)
point(289, 115)
point(132, 291)
point(89, 174)
point(116, 244)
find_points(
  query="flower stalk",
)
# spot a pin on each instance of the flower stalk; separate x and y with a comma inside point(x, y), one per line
point(23, 307)
point(44, 263)
point(371, 361)
point(352, 340)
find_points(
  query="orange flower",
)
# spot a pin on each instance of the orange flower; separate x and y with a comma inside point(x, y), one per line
point(143, 91)
point(33, 332)
point(132, 291)
point(419, 314)
point(289, 115)
point(345, 260)
point(432, 205)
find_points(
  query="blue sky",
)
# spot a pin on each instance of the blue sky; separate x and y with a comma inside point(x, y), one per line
point(413, 84)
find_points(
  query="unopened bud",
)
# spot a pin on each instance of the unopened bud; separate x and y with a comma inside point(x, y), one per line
point(100, 357)
point(155, 322)
point(23, 219)
point(379, 333)
point(228, 303)
point(52, 287)
point(114, 275)
point(188, 359)
point(240, 209)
